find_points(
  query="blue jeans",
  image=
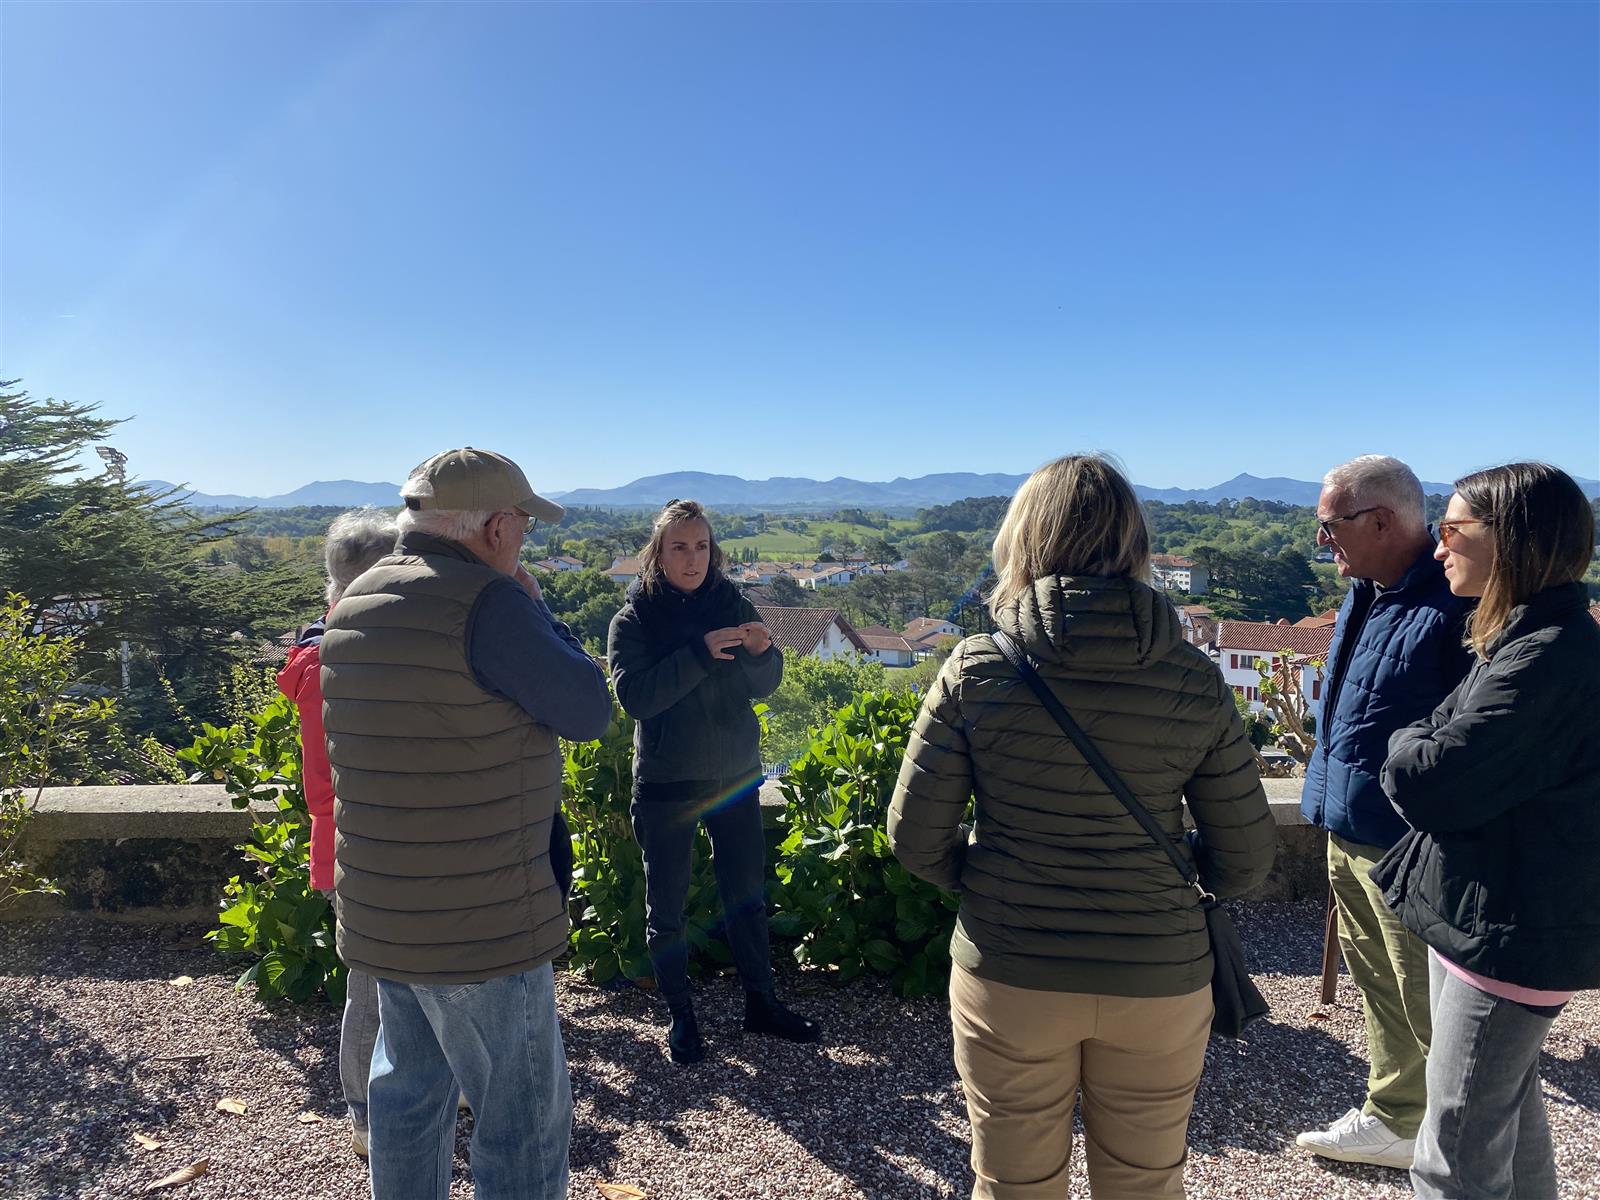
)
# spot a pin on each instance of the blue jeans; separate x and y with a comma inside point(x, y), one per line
point(1484, 1136)
point(500, 1041)
point(664, 820)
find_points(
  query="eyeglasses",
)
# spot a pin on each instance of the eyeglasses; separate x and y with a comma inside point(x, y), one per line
point(1327, 526)
point(1450, 530)
point(507, 512)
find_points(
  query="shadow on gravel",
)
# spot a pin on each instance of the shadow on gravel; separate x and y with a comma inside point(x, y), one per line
point(1258, 1093)
point(1263, 926)
point(72, 1117)
point(836, 1110)
point(1579, 1078)
point(306, 1037)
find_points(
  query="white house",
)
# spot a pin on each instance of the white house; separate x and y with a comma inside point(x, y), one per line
point(624, 569)
point(924, 633)
point(1176, 573)
point(561, 562)
point(1199, 625)
point(822, 575)
point(1242, 645)
point(821, 632)
point(887, 646)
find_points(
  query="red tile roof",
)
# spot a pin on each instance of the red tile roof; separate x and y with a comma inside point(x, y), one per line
point(1310, 641)
point(1594, 611)
point(925, 631)
point(1171, 560)
point(802, 629)
point(887, 641)
point(1327, 618)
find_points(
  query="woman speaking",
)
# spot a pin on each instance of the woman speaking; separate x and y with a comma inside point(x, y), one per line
point(688, 654)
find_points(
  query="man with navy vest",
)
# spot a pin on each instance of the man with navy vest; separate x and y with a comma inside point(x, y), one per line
point(446, 684)
point(1397, 652)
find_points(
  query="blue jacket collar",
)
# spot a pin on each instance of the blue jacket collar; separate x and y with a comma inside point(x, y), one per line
point(1424, 574)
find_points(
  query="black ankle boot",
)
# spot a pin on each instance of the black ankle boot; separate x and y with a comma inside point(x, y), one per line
point(767, 1015)
point(683, 1040)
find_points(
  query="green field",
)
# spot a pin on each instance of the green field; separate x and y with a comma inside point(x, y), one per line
point(775, 543)
point(780, 543)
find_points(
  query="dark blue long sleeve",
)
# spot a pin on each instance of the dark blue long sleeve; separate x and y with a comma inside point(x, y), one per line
point(518, 650)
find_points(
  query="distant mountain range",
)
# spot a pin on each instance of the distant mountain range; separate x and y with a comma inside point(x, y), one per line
point(339, 493)
point(730, 493)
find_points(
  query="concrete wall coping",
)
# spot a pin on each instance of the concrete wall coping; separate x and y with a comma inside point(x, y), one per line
point(203, 811)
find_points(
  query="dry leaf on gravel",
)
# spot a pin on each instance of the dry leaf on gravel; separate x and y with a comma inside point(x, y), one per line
point(183, 981)
point(148, 1142)
point(229, 1105)
point(179, 1177)
point(620, 1191)
point(310, 1118)
point(1317, 1016)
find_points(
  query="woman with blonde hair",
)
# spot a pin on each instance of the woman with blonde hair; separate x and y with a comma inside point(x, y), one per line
point(1081, 961)
point(688, 655)
point(1501, 786)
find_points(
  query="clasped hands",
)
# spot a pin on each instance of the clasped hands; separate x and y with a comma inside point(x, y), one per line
point(752, 635)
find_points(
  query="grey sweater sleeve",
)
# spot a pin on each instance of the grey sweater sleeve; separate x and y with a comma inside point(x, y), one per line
point(519, 651)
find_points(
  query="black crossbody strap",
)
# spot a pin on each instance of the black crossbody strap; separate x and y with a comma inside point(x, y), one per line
point(1095, 759)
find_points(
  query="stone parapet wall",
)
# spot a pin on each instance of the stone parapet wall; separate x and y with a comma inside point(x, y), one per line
point(163, 853)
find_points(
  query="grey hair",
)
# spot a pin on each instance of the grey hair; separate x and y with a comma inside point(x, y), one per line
point(356, 540)
point(1379, 481)
point(453, 524)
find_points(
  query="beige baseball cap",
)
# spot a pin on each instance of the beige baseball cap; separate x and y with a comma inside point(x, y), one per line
point(476, 480)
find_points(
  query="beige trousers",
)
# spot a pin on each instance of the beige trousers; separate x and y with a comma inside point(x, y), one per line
point(1024, 1055)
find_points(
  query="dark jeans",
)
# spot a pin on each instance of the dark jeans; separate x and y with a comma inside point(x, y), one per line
point(664, 820)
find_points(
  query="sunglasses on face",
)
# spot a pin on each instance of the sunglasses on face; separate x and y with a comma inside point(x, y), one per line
point(1327, 526)
point(1450, 530)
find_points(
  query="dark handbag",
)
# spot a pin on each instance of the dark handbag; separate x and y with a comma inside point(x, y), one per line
point(1235, 997)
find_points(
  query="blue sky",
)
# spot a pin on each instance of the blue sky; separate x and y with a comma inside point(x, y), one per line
point(302, 242)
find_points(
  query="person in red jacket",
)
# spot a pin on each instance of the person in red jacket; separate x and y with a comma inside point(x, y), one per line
point(356, 540)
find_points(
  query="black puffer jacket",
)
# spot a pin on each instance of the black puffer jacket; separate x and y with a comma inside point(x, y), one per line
point(1501, 785)
point(1061, 890)
point(693, 711)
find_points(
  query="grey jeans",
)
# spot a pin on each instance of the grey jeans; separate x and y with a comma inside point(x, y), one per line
point(357, 1034)
point(1484, 1136)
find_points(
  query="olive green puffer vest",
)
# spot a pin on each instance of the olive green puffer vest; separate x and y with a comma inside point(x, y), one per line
point(444, 792)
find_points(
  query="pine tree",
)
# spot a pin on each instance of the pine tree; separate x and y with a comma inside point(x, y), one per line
point(111, 562)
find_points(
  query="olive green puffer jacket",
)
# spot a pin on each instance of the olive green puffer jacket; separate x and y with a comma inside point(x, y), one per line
point(1061, 890)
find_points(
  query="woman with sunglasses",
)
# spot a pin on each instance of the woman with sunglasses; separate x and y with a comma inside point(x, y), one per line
point(1500, 875)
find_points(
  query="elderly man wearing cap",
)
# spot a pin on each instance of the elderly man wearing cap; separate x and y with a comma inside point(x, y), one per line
point(446, 684)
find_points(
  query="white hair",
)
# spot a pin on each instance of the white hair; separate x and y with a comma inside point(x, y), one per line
point(356, 540)
point(1379, 481)
point(453, 524)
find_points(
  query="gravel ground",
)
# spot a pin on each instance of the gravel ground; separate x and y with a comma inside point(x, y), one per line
point(100, 1045)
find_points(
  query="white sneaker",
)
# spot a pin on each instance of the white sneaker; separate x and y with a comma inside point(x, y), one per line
point(1357, 1137)
point(358, 1141)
